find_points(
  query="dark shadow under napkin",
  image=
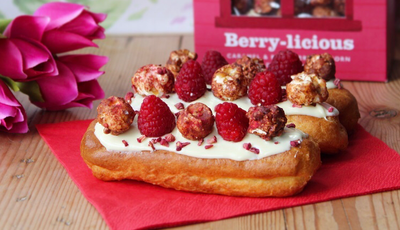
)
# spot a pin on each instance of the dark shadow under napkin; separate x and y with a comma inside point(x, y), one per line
point(367, 166)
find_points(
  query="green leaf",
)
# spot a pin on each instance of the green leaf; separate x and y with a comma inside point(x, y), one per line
point(137, 15)
point(153, 1)
point(3, 24)
point(12, 84)
point(32, 89)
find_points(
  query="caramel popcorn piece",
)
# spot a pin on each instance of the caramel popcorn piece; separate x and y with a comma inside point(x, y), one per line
point(263, 6)
point(340, 6)
point(177, 58)
point(266, 121)
point(250, 67)
point(320, 2)
point(322, 65)
point(196, 121)
point(306, 89)
point(153, 79)
point(229, 83)
point(243, 6)
point(115, 114)
point(323, 12)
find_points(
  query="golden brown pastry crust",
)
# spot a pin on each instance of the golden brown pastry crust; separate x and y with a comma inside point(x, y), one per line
point(330, 135)
point(347, 105)
point(279, 175)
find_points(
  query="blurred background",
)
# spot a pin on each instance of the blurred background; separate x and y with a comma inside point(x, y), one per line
point(132, 16)
point(124, 16)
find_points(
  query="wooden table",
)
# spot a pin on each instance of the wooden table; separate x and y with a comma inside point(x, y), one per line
point(37, 193)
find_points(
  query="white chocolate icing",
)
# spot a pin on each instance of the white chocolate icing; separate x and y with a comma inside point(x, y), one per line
point(319, 110)
point(330, 84)
point(221, 149)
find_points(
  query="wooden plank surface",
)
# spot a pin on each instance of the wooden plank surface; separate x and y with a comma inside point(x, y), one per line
point(36, 192)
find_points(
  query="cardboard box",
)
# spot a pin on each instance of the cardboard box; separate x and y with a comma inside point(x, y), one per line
point(359, 36)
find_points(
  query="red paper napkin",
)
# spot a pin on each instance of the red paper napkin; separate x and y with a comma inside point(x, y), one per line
point(367, 166)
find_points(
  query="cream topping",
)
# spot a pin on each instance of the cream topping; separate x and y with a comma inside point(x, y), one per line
point(320, 110)
point(221, 149)
point(330, 84)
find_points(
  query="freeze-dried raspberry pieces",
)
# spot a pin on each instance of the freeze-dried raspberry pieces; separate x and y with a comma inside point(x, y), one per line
point(155, 118)
point(322, 65)
point(231, 121)
point(306, 89)
point(228, 83)
point(266, 121)
point(285, 64)
point(190, 84)
point(177, 58)
point(212, 61)
point(115, 114)
point(265, 89)
point(153, 79)
point(196, 121)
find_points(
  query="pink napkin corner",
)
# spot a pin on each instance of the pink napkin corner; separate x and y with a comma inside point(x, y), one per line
point(367, 166)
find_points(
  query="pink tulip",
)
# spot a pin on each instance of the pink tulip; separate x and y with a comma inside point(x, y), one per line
point(75, 86)
point(22, 56)
point(71, 26)
point(12, 114)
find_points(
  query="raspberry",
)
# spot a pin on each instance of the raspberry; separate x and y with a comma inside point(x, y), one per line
point(155, 118)
point(231, 121)
point(285, 64)
point(212, 61)
point(190, 83)
point(265, 89)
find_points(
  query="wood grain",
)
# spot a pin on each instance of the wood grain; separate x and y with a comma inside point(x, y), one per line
point(37, 193)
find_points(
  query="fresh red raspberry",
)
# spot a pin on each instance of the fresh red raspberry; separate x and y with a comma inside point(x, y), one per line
point(285, 64)
point(212, 61)
point(231, 121)
point(155, 118)
point(264, 89)
point(190, 83)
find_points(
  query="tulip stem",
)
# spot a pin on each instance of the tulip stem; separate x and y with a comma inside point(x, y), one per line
point(3, 25)
point(30, 88)
point(10, 83)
